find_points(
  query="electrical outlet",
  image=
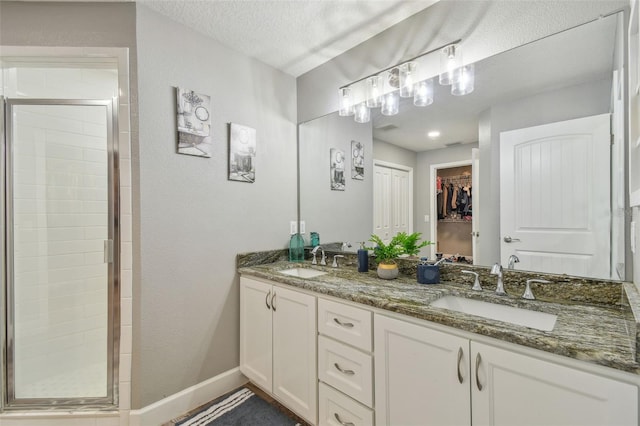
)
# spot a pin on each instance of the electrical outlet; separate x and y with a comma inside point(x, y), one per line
point(303, 227)
point(293, 227)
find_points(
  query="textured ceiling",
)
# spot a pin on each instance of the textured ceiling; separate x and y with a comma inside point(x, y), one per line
point(294, 36)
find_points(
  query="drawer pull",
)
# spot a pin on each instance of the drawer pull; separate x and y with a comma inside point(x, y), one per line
point(341, 422)
point(478, 359)
point(266, 300)
point(343, 324)
point(459, 359)
point(347, 372)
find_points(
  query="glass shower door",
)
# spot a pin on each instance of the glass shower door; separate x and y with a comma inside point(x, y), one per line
point(61, 272)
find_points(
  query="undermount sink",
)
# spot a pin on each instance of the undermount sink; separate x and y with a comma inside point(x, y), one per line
point(533, 319)
point(302, 272)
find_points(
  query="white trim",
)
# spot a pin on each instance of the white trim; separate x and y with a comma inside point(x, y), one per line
point(406, 169)
point(634, 199)
point(186, 400)
point(434, 214)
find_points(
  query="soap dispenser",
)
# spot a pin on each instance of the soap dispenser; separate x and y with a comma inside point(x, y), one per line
point(363, 258)
point(296, 248)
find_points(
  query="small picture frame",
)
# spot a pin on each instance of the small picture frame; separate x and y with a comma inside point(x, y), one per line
point(242, 153)
point(357, 160)
point(336, 169)
point(194, 123)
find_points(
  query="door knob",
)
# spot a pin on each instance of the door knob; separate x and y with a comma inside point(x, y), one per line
point(508, 239)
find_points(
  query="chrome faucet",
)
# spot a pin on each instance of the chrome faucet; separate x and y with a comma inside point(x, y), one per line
point(335, 260)
point(528, 294)
point(323, 261)
point(513, 259)
point(476, 283)
point(497, 270)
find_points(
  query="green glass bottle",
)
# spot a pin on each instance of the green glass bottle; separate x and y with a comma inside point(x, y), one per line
point(296, 248)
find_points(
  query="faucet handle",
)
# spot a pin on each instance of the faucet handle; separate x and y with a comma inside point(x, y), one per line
point(335, 260)
point(528, 294)
point(323, 261)
point(314, 261)
point(476, 284)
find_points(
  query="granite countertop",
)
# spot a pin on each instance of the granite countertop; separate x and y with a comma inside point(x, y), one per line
point(603, 334)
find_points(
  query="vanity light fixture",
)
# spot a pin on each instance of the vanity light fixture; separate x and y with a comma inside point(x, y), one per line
point(384, 88)
point(450, 60)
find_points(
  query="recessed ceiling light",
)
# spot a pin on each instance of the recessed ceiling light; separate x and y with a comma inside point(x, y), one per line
point(434, 134)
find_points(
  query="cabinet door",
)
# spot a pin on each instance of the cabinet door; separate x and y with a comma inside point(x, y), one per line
point(522, 390)
point(255, 332)
point(421, 375)
point(294, 351)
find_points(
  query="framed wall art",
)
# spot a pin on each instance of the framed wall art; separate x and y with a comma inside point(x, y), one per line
point(357, 160)
point(337, 169)
point(242, 153)
point(194, 123)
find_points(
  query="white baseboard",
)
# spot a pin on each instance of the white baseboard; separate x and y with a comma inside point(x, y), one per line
point(186, 400)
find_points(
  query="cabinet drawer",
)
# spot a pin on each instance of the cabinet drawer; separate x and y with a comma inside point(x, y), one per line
point(336, 409)
point(345, 323)
point(346, 369)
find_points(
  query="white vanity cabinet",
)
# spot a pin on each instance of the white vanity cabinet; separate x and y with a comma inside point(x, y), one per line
point(422, 375)
point(278, 343)
point(429, 377)
point(345, 364)
point(508, 388)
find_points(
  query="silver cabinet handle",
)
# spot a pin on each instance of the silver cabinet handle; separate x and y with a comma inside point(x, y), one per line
point(459, 359)
point(266, 300)
point(341, 422)
point(347, 372)
point(343, 324)
point(508, 239)
point(273, 301)
point(478, 360)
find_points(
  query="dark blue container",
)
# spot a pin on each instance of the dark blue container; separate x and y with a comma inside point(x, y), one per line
point(428, 274)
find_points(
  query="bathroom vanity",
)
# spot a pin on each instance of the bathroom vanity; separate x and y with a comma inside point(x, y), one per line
point(386, 356)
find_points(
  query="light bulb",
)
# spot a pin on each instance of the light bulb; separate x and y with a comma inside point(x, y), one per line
point(346, 102)
point(423, 94)
point(450, 60)
point(362, 113)
point(390, 103)
point(407, 72)
point(374, 86)
point(463, 80)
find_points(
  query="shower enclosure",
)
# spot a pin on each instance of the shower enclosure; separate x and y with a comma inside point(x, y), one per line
point(60, 257)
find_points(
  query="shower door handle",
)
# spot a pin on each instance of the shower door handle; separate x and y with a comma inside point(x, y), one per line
point(108, 251)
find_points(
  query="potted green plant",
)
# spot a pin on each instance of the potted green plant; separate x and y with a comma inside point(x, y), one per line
point(386, 254)
point(410, 243)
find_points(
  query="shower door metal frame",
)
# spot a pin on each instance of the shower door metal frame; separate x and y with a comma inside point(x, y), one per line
point(9, 401)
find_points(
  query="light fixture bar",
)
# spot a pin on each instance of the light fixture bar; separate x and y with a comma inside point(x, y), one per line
point(402, 62)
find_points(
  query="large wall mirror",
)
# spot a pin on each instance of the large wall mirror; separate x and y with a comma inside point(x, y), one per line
point(570, 79)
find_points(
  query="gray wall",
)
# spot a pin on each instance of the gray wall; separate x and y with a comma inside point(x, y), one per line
point(560, 104)
point(485, 27)
point(336, 215)
point(193, 221)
